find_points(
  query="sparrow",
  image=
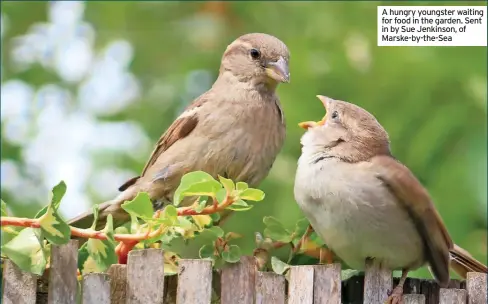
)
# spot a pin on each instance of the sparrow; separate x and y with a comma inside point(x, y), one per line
point(365, 204)
point(235, 130)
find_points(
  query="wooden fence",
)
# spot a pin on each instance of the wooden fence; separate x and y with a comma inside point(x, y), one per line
point(142, 281)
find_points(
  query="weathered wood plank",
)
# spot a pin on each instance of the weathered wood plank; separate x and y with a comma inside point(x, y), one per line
point(414, 299)
point(96, 288)
point(327, 284)
point(430, 289)
point(195, 282)
point(476, 288)
point(452, 296)
point(18, 286)
point(145, 276)
point(377, 282)
point(300, 288)
point(63, 282)
point(238, 282)
point(118, 283)
point(270, 288)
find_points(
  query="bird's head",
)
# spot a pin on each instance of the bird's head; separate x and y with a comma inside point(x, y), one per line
point(347, 131)
point(257, 58)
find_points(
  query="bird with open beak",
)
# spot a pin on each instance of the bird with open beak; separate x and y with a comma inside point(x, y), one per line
point(365, 204)
point(235, 129)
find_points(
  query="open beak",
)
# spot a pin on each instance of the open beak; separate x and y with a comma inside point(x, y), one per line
point(310, 124)
point(278, 70)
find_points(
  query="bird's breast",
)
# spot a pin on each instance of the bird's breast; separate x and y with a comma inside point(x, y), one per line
point(356, 215)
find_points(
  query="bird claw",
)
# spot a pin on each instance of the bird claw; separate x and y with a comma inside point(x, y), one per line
point(395, 296)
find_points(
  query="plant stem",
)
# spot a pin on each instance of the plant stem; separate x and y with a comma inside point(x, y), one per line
point(130, 238)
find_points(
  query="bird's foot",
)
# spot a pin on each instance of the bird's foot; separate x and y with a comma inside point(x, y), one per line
point(395, 296)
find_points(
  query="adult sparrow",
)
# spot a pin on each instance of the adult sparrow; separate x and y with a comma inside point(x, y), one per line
point(365, 204)
point(235, 129)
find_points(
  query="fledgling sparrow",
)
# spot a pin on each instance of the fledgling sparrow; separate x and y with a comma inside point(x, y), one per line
point(365, 204)
point(235, 129)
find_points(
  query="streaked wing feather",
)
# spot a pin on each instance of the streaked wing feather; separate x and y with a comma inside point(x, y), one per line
point(179, 129)
point(415, 198)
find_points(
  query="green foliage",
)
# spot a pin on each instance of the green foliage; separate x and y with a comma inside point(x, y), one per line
point(279, 266)
point(26, 252)
point(140, 206)
point(432, 100)
point(276, 230)
point(29, 251)
point(196, 183)
point(4, 208)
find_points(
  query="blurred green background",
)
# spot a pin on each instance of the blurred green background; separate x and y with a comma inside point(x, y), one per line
point(88, 88)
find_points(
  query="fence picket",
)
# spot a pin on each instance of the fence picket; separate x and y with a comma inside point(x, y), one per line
point(476, 288)
point(300, 288)
point(238, 282)
point(270, 288)
point(63, 282)
point(96, 288)
point(327, 284)
point(18, 286)
point(145, 276)
point(377, 282)
point(195, 277)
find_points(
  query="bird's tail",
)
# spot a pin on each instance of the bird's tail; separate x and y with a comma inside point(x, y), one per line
point(462, 262)
point(112, 207)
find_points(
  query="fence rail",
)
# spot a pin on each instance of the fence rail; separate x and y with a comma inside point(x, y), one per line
point(142, 281)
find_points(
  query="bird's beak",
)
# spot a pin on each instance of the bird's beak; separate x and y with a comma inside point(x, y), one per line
point(310, 124)
point(278, 70)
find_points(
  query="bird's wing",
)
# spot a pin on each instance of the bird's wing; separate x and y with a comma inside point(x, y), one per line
point(180, 128)
point(416, 200)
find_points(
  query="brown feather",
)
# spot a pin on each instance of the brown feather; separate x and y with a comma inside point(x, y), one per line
point(462, 262)
point(179, 129)
point(417, 202)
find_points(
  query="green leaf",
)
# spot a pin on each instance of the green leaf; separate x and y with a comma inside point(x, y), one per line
point(241, 186)
point(227, 183)
point(279, 266)
point(206, 251)
point(102, 252)
point(54, 229)
point(215, 217)
point(140, 206)
point(170, 213)
point(189, 180)
point(57, 194)
point(232, 255)
point(220, 195)
point(216, 230)
point(26, 252)
point(205, 188)
point(276, 230)
point(269, 220)
point(301, 227)
point(202, 202)
point(134, 224)
point(239, 205)
point(4, 209)
point(278, 233)
point(184, 222)
point(251, 194)
point(95, 216)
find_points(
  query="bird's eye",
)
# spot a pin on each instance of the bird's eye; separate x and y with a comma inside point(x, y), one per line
point(334, 115)
point(255, 54)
